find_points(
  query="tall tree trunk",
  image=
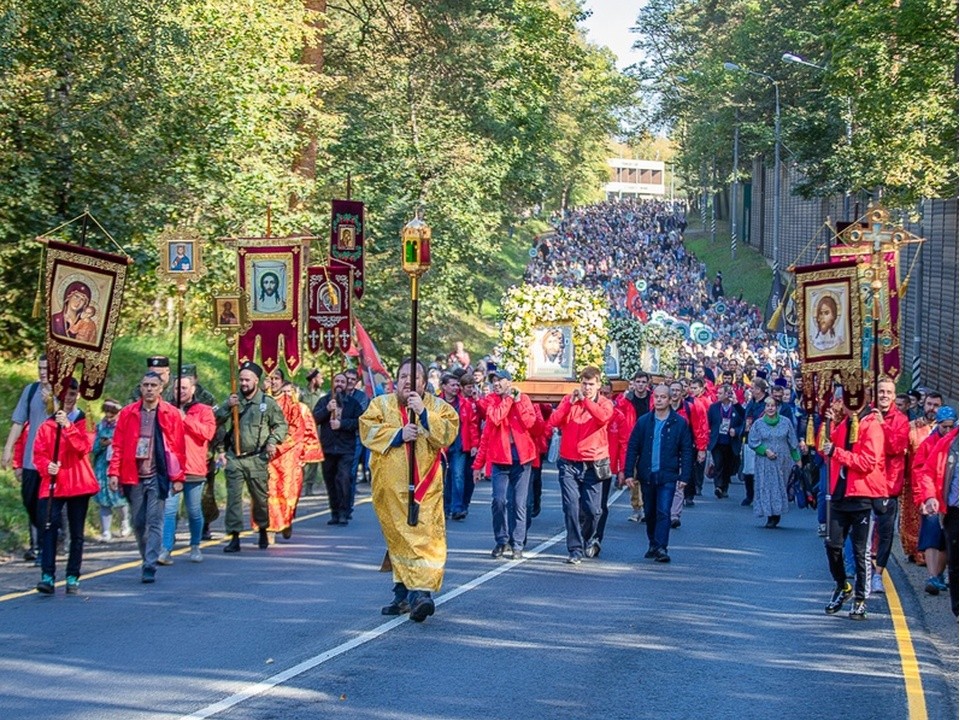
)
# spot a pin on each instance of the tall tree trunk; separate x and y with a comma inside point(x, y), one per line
point(305, 163)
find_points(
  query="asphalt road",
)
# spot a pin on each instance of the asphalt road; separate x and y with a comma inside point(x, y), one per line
point(732, 628)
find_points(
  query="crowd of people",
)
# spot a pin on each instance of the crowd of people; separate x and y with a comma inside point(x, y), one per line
point(616, 246)
point(446, 427)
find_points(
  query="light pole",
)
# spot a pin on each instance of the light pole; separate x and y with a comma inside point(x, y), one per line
point(797, 60)
point(733, 67)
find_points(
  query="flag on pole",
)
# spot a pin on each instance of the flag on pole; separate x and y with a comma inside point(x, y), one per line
point(376, 379)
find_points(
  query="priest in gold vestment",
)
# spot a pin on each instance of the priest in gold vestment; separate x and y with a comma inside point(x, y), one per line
point(392, 426)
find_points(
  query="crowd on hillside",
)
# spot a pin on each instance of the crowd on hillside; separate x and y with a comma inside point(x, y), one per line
point(612, 246)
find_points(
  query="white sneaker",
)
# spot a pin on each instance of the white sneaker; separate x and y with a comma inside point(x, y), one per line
point(195, 554)
point(106, 537)
point(876, 584)
point(124, 531)
point(636, 517)
point(164, 558)
point(822, 530)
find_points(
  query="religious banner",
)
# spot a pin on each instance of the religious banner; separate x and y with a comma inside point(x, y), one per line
point(830, 332)
point(346, 238)
point(885, 303)
point(269, 271)
point(329, 309)
point(84, 290)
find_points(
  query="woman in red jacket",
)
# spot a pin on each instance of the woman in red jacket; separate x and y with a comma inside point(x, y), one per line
point(65, 470)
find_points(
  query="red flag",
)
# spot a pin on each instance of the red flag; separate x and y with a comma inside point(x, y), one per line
point(634, 303)
point(376, 379)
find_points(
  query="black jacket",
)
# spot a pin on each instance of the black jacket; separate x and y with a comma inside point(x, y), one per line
point(676, 450)
point(343, 440)
point(737, 419)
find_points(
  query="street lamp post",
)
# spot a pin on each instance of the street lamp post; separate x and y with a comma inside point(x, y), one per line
point(733, 67)
point(797, 60)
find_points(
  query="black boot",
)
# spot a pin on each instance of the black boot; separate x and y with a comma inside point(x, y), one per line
point(748, 485)
point(234, 545)
point(399, 606)
point(264, 542)
point(421, 605)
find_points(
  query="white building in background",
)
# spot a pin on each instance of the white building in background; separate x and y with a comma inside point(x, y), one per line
point(635, 179)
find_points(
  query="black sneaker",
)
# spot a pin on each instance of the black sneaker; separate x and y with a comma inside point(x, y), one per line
point(264, 541)
point(148, 576)
point(498, 551)
point(675, 523)
point(45, 585)
point(593, 549)
point(651, 553)
point(661, 556)
point(837, 600)
point(858, 611)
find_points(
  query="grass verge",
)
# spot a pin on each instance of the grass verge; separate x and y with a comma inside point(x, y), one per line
point(748, 272)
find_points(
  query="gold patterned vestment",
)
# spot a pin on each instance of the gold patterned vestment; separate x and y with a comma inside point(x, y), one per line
point(417, 554)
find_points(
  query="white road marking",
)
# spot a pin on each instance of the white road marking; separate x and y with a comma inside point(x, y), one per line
point(362, 639)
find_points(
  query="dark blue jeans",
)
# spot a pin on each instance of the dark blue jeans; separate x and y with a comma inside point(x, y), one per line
point(657, 499)
point(457, 480)
point(580, 491)
point(511, 483)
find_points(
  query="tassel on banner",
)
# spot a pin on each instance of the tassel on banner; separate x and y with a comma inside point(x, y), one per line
point(854, 428)
point(38, 298)
point(810, 436)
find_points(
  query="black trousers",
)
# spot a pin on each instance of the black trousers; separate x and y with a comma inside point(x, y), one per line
point(76, 517)
point(857, 524)
point(725, 464)
point(336, 476)
point(885, 523)
point(604, 510)
point(950, 530)
point(30, 495)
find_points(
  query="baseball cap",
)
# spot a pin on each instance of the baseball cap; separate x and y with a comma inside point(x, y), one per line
point(501, 374)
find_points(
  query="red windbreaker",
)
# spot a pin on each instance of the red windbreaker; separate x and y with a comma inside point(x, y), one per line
point(866, 473)
point(896, 434)
point(76, 476)
point(200, 426)
point(929, 476)
point(508, 418)
point(123, 464)
point(583, 428)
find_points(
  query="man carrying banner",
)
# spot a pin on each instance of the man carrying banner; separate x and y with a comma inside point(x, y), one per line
point(261, 427)
point(408, 421)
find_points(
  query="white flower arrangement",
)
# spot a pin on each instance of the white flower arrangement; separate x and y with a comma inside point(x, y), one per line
point(526, 307)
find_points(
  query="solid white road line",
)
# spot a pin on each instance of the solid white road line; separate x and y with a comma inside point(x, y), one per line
point(362, 639)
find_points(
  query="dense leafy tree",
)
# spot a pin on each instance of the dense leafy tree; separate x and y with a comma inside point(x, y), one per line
point(201, 113)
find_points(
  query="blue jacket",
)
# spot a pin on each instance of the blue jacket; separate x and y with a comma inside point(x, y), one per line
point(676, 450)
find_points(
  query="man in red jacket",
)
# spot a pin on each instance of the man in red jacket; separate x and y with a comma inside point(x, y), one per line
point(857, 478)
point(510, 448)
point(896, 433)
point(149, 455)
point(200, 426)
point(582, 418)
point(457, 482)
